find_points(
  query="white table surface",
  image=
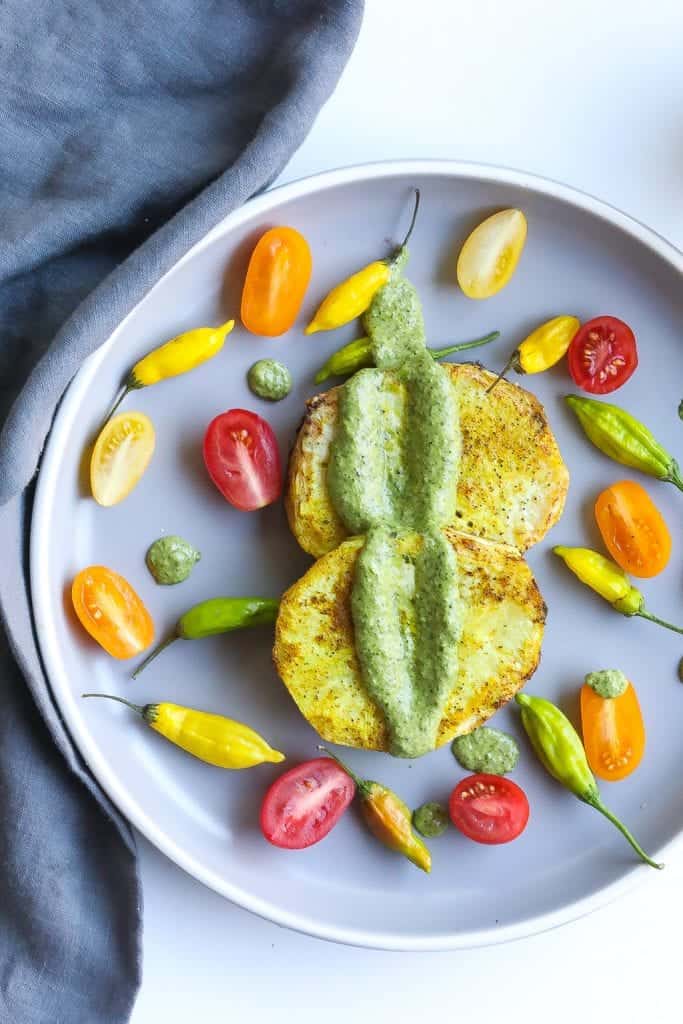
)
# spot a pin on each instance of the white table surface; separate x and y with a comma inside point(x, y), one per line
point(589, 92)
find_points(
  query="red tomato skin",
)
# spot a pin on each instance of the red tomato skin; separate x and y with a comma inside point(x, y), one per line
point(473, 815)
point(623, 348)
point(322, 782)
point(242, 458)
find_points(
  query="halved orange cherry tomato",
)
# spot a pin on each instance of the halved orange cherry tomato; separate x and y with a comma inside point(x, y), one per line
point(633, 529)
point(613, 732)
point(276, 282)
point(110, 610)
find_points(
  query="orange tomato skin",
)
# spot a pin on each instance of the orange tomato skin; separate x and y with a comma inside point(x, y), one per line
point(276, 282)
point(111, 612)
point(633, 529)
point(613, 732)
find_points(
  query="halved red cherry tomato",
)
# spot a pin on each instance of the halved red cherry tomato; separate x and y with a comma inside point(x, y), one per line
point(602, 355)
point(111, 611)
point(243, 459)
point(489, 808)
point(276, 282)
point(633, 529)
point(305, 803)
point(613, 732)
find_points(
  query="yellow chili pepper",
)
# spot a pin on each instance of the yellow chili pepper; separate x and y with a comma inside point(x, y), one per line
point(179, 355)
point(353, 296)
point(388, 818)
point(212, 738)
point(542, 348)
point(608, 580)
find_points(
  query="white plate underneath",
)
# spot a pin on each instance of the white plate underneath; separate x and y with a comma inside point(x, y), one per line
point(582, 257)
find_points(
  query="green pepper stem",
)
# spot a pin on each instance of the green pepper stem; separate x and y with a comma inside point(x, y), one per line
point(360, 783)
point(675, 474)
point(645, 614)
point(155, 654)
point(597, 803)
point(439, 353)
point(412, 220)
point(110, 696)
point(508, 366)
point(125, 390)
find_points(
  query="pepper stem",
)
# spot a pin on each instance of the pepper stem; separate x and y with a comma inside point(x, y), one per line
point(409, 232)
point(110, 696)
point(508, 366)
point(360, 783)
point(439, 353)
point(125, 390)
point(597, 803)
point(155, 654)
point(675, 474)
point(645, 614)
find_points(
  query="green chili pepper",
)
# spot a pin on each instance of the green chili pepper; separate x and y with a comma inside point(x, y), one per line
point(358, 354)
point(624, 438)
point(561, 753)
point(608, 580)
point(388, 818)
point(217, 615)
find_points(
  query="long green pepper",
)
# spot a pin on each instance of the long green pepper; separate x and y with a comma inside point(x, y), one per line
point(357, 355)
point(217, 615)
point(560, 751)
point(625, 439)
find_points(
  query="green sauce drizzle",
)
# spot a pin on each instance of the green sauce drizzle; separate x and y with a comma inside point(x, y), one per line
point(393, 473)
point(486, 750)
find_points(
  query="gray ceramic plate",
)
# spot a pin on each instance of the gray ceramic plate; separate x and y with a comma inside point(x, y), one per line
point(582, 257)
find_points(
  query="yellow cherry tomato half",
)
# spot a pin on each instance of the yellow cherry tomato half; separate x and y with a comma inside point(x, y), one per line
point(120, 456)
point(111, 612)
point(489, 257)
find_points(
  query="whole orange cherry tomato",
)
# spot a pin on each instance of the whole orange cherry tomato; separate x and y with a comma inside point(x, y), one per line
point(110, 610)
point(633, 529)
point(276, 282)
point(613, 732)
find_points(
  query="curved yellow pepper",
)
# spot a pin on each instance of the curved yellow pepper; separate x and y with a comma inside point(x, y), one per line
point(179, 355)
point(544, 347)
point(353, 296)
point(212, 738)
point(608, 580)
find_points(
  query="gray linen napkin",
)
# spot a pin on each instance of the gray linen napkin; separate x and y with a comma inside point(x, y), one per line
point(113, 117)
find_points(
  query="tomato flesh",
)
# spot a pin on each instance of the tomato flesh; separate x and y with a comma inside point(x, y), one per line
point(243, 459)
point(489, 809)
point(111, 612)
point(633, 529)
point(613, 732)
point(304, 804)
point(602, 355)
point(121, 455)
point(276, 282)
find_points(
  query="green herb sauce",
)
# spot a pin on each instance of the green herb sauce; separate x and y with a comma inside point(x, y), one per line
point(269, 379)
point(393, 473)
point(486, 750)
point(171, 559)
point(607, 682)
point(430, 820)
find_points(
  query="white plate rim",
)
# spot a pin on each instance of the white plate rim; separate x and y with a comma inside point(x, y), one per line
point(46, 627)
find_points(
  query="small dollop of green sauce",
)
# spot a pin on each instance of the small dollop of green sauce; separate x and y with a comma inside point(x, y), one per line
point(430, 820)
point(270, 380)
point(171, 559)
point(486, 750)
point(608, 682)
